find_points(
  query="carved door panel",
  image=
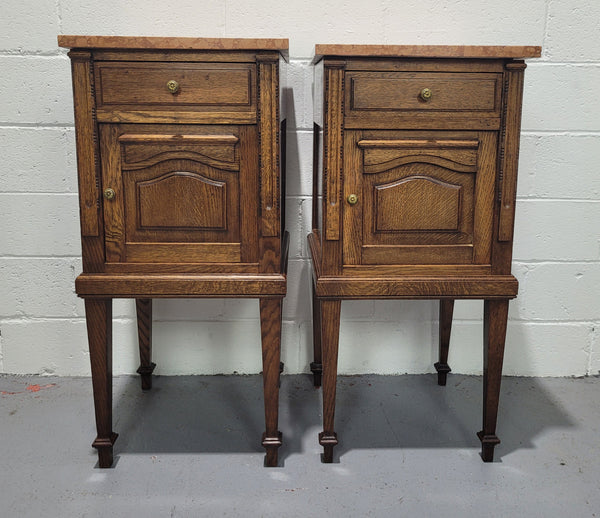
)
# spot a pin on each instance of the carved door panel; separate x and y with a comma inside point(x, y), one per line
point(419, 200)
point(174, 194)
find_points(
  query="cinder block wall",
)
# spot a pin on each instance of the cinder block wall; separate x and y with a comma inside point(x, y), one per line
point(554, 325)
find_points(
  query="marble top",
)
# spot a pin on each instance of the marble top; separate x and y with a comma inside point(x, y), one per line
point(165, 43)
point(428, 51)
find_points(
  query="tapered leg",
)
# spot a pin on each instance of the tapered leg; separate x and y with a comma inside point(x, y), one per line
point(270, 324)
point(144, 316)
point(317, 365)
point(495, 316)
point(330, 337)
point(281, 364)
point(442, 367)
point(98, 314)
point(144, 322)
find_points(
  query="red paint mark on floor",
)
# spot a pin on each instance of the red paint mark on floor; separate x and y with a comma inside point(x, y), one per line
point(29, 388)
point(37, 388)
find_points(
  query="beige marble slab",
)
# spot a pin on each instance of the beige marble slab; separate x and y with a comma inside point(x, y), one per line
point(163, 43)
point(427, 51)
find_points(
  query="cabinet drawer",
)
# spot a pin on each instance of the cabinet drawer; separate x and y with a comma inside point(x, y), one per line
point(194, 92)
point(386, 95)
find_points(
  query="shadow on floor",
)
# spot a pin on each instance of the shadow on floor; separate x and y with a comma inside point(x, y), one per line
point(412, 411)
point(196, 414)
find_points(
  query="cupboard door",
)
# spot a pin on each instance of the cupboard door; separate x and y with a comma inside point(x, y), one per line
point(175, 194)
point(419, 200)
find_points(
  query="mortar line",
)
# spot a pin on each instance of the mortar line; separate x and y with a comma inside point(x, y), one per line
point(555, 261)
point(28, 54)
point(561, 133)
point(38, 193)
point(578, 64)
point(546, 24)
point(127, 319)
point(554, 200)
point(36, 125)
point(22, 257)
point(59, 17)
point(592, 348)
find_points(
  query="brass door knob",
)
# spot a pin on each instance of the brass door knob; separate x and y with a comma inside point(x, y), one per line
point(426, 94)
point(109, 193)
point(352, 199)
point(173, 86)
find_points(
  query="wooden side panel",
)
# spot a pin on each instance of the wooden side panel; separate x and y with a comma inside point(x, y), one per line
point(270, 203)
point(92, 231)
point(268, 128)
point(86, 141)
point(333, 148)
point(509, 151)
point(318, 155)
point(318, 91)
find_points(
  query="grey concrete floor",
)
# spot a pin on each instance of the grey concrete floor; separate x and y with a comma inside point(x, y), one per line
point(191, 447)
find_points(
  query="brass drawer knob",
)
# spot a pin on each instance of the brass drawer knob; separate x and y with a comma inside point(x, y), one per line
point(352, 199)
point(109, 193)
point(426, 94)
point(173, 86)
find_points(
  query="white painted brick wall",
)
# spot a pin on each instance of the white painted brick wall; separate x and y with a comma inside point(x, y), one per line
point(560, 166)
point(37, 160)
point(29, 26)
point(554, 325)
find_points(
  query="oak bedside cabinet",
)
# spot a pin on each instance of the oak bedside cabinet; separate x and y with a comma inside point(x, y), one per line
point(180, 152)
point(416, 151)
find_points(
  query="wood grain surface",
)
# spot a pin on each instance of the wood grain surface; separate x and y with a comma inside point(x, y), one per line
point(180, 190)
point(426, 185)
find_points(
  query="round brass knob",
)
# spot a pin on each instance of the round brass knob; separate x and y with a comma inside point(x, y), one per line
point(109, 193)
point(426, 94)
point(352, 199)
point(173, 86)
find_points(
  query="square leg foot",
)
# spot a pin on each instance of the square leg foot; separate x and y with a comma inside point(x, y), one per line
point(271, 445)
point(145, 371)
point(488, 443)
point(442, 371)
point(328, 441)
point(104, 445)
point(317, 370)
